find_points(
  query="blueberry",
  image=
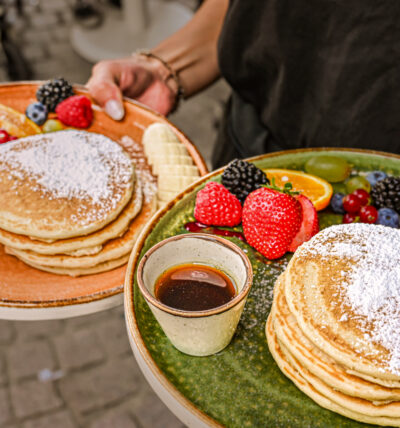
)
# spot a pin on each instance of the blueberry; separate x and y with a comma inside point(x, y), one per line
point(37, 112)
point(375, 176)
point(388, 217)
point(337, 203)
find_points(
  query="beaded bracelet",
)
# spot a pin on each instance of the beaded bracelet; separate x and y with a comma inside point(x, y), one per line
point(172, 73)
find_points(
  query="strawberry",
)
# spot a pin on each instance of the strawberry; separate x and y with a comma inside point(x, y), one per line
point(216, 206)
point(270, 221)
point(75, 111)
point(309, 225)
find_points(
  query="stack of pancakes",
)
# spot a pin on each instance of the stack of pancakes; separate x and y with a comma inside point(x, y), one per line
point(67, 202)
point(334, 327)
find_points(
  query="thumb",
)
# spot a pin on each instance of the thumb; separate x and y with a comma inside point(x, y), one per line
point(107, 94)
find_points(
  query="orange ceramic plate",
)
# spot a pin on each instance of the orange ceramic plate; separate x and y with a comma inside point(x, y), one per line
point(27, 293)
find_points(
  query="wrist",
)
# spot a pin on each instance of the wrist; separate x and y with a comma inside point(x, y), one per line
point(165, 72)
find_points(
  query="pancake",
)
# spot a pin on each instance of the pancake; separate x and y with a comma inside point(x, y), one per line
point(102, 267)
point(82, 245)
point(317, 362)
point(342, 288)
point(299, 378)
point(113, 249)
point(63, 184)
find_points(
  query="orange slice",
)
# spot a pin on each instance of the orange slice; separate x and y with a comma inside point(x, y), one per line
point(318, 190)
point(16, 123)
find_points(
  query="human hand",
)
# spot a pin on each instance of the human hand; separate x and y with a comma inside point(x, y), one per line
point(139, 77)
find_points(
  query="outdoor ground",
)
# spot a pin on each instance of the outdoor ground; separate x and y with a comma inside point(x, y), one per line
point(81, 372)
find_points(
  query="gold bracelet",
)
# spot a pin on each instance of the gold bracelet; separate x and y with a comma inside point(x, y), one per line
point(180, 94)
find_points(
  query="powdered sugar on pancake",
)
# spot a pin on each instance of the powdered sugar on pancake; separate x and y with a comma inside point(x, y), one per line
point(70, 164)
point(371, 285)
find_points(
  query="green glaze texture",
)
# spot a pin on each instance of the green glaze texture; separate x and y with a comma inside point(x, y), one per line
point(242, 386)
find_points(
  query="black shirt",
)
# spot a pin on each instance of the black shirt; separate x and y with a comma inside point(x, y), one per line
point(315, 72)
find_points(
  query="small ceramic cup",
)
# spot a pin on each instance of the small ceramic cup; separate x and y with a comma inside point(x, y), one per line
point(204, 332)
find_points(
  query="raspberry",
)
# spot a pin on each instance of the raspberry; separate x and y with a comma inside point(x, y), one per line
point(75, 111)
point(216, 206)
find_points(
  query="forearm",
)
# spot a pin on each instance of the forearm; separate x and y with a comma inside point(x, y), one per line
point(192, 51)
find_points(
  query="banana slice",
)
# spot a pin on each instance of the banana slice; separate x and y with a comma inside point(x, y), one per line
point(160, 160)
point(170, 169)
point(174, 182)
point(170, 161)
point(159, 132)
point(165, 150)
point(166, 195)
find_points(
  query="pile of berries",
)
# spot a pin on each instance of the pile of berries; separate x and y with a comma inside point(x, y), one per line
point(273, 221)
point(375, 201)
point(58, 96)
point(5, 137)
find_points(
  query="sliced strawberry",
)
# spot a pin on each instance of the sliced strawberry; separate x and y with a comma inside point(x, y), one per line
point(309, 225)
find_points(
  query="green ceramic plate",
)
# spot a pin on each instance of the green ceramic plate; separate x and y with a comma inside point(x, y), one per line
point(240, 386)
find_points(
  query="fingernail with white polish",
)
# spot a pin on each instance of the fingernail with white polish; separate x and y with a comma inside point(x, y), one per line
point(114, 109)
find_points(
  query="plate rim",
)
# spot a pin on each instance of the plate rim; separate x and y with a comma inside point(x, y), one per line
point(109, 294)
point(129, 308)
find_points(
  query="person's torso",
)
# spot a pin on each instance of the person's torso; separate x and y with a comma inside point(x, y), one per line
point(318, 72)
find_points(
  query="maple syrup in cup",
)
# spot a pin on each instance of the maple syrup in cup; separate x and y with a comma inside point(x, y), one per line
point(196, 285)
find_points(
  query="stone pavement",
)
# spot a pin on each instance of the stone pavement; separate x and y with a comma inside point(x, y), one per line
point(81, 372)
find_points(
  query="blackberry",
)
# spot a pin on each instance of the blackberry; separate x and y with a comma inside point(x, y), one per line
point(53, 92)
point(386, 193)
point(241, 178)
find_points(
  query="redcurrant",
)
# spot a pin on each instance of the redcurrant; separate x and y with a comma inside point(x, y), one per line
point(4, 136)
point(350, 218)
point(351, 204)
point(363, 196)
point(368, 214)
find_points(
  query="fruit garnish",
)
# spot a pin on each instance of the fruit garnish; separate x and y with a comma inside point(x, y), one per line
point(339, 188)
point(75, 111)
point(318, 190)
point(350, 218)
point(363, 196)
point(337, 203)
point(375, 176)
point(357, 182)
point(271, 220)
point(16, 123)
point(37, 112)
point(52, 125)
point(216, 206)
point(4, 136)
point(53, 92)
point(331, 168)
point(368, 214)
point(388, 217)
point(309, 225)
point(351, 204)
point(386, 193)
point(241, 178)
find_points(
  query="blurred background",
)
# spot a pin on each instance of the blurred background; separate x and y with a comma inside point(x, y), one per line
point(81, 372)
